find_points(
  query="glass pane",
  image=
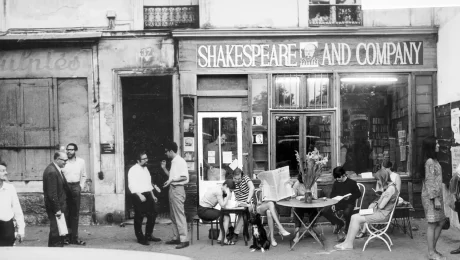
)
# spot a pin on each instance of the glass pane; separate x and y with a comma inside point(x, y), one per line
point(220, 147)
point(287, 142)
point(287, 91)
point(319, 137)
point(374, 122)
point(317, 91)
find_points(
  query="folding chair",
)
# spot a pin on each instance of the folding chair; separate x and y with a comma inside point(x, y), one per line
point(378, 230)
point(359, 201)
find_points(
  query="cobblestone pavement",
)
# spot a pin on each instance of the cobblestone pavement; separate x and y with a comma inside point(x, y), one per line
point(116, 237)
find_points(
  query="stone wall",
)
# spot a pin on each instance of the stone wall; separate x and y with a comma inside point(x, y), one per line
point(33, 207)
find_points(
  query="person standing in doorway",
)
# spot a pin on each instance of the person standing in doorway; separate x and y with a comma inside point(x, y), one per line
point(55, 190)
point(9, 209)
point(75, 173)
point(178, 177)
point(144, 201)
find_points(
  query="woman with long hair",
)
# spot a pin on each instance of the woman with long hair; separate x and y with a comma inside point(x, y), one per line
point(382, 210)
point(432, 199)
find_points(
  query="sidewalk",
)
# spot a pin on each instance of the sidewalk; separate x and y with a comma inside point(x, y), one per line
point(116, 237)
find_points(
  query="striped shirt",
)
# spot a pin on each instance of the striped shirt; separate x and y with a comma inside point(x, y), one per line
point(242, 189)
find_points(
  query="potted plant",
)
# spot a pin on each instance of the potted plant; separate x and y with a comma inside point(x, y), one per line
point(310, 168)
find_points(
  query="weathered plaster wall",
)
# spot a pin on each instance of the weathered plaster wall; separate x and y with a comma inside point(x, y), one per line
point(138, 55)
point(68, 13)
point(448, 20)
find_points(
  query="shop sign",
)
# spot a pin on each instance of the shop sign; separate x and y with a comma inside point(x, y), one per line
point(310, 54)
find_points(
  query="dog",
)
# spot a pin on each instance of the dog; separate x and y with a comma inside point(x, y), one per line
point(259, 235)
point(230, 234)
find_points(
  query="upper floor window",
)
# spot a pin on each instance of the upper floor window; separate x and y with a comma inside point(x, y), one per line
point(293, 91)
point(335, 13)
point(162, 17)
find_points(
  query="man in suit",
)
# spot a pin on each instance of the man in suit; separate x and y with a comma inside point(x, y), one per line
point(55, 190)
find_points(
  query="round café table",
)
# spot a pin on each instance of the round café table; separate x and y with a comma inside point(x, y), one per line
point(318, 204)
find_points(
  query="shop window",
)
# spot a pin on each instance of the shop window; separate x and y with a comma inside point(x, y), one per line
point(335, 13)
point(259, 93)
point(302, 91)
point(374, 122)
point(188, 133)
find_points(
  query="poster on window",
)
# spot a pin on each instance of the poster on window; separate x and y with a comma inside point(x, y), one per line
point(455, 151)
point(189, 144)
point(455, 115)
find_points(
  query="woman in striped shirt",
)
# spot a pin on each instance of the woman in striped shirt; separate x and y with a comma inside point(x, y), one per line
point(243, 193)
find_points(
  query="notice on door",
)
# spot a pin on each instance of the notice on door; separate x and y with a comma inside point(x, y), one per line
point(227, 157)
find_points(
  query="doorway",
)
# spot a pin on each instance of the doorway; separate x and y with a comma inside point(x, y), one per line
point(147, 125)
point(303, 133)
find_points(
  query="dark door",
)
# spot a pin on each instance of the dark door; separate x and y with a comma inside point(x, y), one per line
point(147, 125)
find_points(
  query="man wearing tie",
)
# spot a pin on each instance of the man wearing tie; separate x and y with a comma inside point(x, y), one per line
point(55, 191)
point(75, 173)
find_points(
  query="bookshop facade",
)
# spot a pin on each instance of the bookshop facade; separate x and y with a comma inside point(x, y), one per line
point(360, 97)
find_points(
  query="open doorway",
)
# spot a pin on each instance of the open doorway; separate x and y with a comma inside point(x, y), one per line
point(147, 125)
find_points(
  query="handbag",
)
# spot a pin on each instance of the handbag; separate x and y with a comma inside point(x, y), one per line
point(446, 224)
point(213, 233)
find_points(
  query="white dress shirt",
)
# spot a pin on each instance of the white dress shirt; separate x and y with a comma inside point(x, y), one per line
point(178, 169)
point(75, 171)
point(10, 207)
point(139, 179)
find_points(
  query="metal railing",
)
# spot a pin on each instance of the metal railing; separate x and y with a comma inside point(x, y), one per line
point(161, 17)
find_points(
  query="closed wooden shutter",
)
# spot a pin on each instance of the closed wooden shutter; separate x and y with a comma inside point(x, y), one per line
point(32, 128)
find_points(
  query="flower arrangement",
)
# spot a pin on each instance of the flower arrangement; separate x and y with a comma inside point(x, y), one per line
point(311, 167)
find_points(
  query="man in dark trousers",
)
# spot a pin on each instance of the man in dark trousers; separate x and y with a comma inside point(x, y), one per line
point(342, 186)
point(75, 174)
point(144, 201)
point(55, 191)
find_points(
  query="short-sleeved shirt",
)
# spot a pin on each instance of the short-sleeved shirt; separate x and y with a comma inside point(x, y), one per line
point(178, 169)
point(209, 199)
point(242, 189)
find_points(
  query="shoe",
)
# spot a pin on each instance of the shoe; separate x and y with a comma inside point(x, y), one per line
point(78, 242)
point(182, 245)
point(273, 242)
point(342, 248)
point(456, 251)
point(361, 235)
point(173, 242)
point(153, 239)
point(292, 242)
point(143, 242)
point(66, 242)
point(284, 233)
point(436, 256)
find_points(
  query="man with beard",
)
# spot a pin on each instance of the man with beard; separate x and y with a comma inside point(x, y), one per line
point(75, 173)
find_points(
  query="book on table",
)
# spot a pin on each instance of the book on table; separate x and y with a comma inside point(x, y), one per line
point(339, 198)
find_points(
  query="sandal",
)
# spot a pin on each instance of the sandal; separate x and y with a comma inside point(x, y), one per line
point(361, 235)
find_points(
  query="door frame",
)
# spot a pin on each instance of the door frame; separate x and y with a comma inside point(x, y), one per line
point(239, 129)
point(119, 159)
point(302, 131)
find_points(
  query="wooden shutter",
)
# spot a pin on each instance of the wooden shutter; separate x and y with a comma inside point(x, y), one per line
point(27, 127)
point(9, 126)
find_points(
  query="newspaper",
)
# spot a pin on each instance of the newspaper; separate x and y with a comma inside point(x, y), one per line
point(276, 184)
point(62, 226)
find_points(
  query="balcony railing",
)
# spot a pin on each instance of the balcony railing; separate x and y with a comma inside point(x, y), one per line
point(335, 15)
point(161, 17)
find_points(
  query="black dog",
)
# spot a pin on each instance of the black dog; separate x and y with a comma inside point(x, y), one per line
point(259, 235)
point(230, 234)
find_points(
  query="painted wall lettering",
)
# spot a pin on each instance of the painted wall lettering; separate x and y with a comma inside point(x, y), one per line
point(34, 62)
point(310, 54)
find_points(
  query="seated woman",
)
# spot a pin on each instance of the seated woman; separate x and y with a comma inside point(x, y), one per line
point(212, 196)
point(299, 190)
point(267, 207)
point(244, 190)
point(382, 210)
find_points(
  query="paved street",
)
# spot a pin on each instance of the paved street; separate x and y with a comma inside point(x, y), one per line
point(116, 237)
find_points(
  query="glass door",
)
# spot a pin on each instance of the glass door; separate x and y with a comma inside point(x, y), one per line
point(219, 144)
point(303, 133)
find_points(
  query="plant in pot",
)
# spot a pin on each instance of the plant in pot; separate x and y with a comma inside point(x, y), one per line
point(310, 167)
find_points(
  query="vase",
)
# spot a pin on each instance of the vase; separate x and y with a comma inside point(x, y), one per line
point(308, 197)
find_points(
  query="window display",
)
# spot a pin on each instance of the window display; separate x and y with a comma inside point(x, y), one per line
point(375, 120)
